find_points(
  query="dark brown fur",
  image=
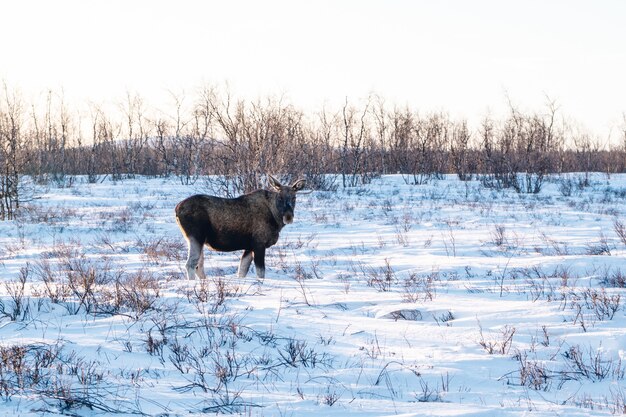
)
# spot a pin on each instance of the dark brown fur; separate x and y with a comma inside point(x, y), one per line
point(251, 222)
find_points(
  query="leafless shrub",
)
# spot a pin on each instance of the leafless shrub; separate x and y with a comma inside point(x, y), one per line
point(301, 242)
point(449, 241)
point(504, 276)
point(121, 220)
point(588, 402)
point(301, 276)
point(381, 241)
point(63, 250)
point(407, 220)
point(155, 345)
point(55, 288)
point(601, 247)
point(618, 400)
point(601, 304)
point(431, 393)
point(559, 248)
point(214, 365)
point(620, 230)
point(579, 316)
point(533, 373)
point(201, 294)
point(420, 287)
point(228, 402)
point(72, 281)
point(593, 365)
point(216, 298)
point(498, 235)
point(373, 349)
point(105, 238)
point(51, 215)
point(79, 283)
point(331, 396)
point(538, 284)
point(130, 294)
point(159, 248)
point(13, 248)
point(444, 318)
point(610, 194)
point(83, 276)
point(592, 304)
point(402, 237)
point(281, 256)
point(62, 381)
point(296, 353)
point(179, 356)
point(381, 278)
point(320, 217)
point(18, 369)
point(544, 285)
point(615, 279)
point(410, 314)
point(500, 344)
point(18, 307)
point(345, 280)
point(565, 276)
point(566, 186)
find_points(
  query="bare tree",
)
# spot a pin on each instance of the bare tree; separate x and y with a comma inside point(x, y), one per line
point(495, 162)
point(353, 157)
point(49, 137)
point(585, 148)
point(103, 158)
point(382, 124)
point(11, 142)
point(135, 134)
point(319, 156)
point(461, 152)
point(230, 153)
point(403, 129)
point(431, 148)
point(163, 146)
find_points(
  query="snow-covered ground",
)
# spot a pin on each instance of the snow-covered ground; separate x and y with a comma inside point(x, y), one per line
point(446, 299)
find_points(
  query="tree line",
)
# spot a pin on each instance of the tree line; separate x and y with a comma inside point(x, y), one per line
point(239, 140)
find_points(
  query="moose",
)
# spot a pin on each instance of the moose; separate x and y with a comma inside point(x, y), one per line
point(250, 222)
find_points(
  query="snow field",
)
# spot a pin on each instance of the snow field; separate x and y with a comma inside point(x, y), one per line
point(387, 299)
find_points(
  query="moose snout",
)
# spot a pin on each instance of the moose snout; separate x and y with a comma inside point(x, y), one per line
point(288, 218)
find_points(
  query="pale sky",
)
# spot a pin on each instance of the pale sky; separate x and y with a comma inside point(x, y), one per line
point(461, 56)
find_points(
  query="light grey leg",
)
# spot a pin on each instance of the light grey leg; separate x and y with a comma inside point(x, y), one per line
point(244, 264)
point(200, 266)
point(194, 255)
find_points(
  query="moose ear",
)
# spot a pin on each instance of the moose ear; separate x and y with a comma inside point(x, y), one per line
point(273, 182)
point(298, 185)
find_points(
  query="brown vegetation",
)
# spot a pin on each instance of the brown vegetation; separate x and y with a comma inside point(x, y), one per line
point(216, 133)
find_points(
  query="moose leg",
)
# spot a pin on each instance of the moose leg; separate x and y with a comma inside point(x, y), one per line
point(259, 262)
point(244, 264)
point(200, 266)
point(194, 255)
